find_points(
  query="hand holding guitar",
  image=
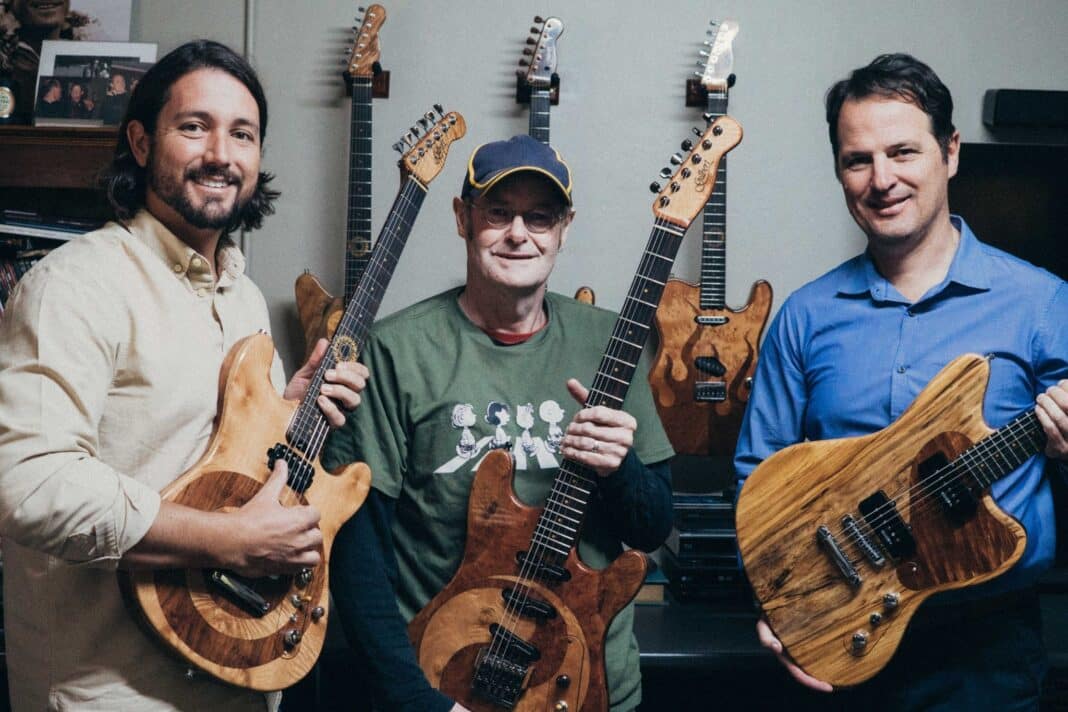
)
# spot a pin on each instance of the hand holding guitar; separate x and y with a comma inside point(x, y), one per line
point(340, 393)
point(1052, 411)
point(769, 641)
point(598, 437)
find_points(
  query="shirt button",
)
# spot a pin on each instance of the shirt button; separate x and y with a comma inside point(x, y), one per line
point(902, 369)
point(177, 268)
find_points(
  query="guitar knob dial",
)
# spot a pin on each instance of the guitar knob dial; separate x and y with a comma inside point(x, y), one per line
point(317, 614)
point(304, 578)
point(890, 601)
point(859, 642)
point(291, 638)
point(560, 706)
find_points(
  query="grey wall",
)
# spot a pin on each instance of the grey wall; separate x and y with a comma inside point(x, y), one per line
point(621, 114)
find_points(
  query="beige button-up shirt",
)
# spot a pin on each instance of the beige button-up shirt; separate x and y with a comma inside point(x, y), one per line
point(110, 352)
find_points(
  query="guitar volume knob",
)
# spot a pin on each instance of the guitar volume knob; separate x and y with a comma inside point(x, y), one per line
point(859, 642)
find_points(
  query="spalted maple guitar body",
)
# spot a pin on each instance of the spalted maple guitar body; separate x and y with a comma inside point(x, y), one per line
point(186, 612)
point(819, 616)
point(451, 630)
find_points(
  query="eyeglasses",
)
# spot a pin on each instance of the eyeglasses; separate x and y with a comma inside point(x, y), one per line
point(537, 220)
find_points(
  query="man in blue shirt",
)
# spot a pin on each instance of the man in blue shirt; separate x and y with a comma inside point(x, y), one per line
point(848, 353)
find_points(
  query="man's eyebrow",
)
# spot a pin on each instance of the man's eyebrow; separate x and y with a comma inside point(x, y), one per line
point(206, 116)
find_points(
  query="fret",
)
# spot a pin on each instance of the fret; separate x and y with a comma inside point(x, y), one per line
point(539, 114)
point(1004, 450)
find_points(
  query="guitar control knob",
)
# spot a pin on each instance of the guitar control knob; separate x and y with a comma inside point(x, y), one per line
point(291, 638)
point(560, 706)
point(890, 601)
point(317, 614)
point(654, 187)
point(563, 682)
point(297, 601)
point(860, 642)
point(304, 577)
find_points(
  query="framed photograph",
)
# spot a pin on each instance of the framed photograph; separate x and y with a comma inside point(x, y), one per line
point(102, 73)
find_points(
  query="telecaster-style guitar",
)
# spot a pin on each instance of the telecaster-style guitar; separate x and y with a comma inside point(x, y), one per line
point(522, 623)
point(704, 366)
point(843, 539)
point(318, 310)
point(266, 634)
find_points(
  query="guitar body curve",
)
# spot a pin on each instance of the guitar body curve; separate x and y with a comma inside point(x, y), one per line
point(319, 311)
point(808, 603)
point(695, 427)
point(181, 607)
point(449, 632)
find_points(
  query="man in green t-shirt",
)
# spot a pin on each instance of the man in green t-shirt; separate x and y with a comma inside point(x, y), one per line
point(490, 365)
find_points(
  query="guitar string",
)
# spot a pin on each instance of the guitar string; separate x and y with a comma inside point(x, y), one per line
point(923, 497)
point(539, 550)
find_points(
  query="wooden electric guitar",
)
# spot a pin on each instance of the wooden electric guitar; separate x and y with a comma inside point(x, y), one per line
point(704, 366)
point(843, 539)
point(318, 310)
point(266, 634)
point(522, 623)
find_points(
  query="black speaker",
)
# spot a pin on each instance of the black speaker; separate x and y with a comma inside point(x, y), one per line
point(1025, 107)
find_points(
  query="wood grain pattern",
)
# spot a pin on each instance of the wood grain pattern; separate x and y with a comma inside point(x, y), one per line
point(808, 604)
point(178, 606)
point(449, 631)
point(319, 311)
point(700, 428)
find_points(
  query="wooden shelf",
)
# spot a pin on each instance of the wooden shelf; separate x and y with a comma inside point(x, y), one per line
point(54, 157)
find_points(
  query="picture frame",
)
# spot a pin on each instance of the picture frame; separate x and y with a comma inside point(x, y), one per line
point(105, 71)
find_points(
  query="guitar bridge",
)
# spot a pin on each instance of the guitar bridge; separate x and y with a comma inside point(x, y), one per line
point(710, 391)
point(500, 677)
point(710, 320)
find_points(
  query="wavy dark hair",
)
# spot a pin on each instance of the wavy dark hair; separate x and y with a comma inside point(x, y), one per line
point(124, 181)
point(899, 76)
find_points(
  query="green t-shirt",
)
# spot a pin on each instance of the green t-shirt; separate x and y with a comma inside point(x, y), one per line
point(442, 395)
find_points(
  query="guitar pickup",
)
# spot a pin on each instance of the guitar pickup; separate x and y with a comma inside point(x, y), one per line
point(547, 572)
point(710, 391)
point(300, 472)
point(530, 607)
point(710, 365)
point(234, 588)
point(703, 320)
point(880, 513)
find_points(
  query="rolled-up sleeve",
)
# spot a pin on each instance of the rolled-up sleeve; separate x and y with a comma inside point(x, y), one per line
point(60, 340)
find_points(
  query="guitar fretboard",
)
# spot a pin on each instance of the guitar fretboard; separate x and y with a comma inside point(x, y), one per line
point(561, 520)
point(358, 225)
point(308, 428)
point(539, 114)
point(1005, 449)
point(713, 291)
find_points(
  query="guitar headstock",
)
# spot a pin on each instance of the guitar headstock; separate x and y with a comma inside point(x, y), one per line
point(690, 187)
point(718, 59)
point(426, 146)
point(539, 57)
point(365, 52)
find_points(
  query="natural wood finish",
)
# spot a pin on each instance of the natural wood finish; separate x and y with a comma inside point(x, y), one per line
point(190, 618)
point(449, 631)
point(700, 428)
point(808, 604)
point(54, 157)
point(318, 310)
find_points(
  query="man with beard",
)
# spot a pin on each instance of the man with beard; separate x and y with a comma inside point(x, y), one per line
point(108, 384)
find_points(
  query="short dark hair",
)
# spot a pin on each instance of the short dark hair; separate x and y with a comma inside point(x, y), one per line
point(124, 181)
point(899, 76)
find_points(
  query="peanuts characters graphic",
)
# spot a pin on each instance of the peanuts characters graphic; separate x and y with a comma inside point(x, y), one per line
point(524, 418)
point(551, 412)
point(499, 415)
point(463, 416)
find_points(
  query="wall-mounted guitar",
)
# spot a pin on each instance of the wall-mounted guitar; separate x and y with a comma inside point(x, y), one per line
point(318, 310)
point(843, 539)
point(266, 633)
point(703, 369)
point(522, 623)
point(538, 85)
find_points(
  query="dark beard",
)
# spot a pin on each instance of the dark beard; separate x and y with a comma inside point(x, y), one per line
point(203, 217)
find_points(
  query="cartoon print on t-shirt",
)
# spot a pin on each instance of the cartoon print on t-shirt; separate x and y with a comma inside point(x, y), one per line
point(463, 416)
point(551, 412)
point(524, 418)
point(499, 415)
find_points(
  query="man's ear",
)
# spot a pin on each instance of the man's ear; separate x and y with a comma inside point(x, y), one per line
point(139, 141)
point(459, 208)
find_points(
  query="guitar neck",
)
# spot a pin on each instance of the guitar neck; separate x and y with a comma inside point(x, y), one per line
point(358, 225)
point(713, 292)
point(308, 428)
point(539, 114)
point(1004, 450)
point(561, 521)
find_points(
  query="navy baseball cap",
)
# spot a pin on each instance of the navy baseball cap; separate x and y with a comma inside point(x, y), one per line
point(492, 162)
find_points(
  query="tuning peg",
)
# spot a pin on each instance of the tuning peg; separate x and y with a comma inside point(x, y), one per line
point(697, 131)
point(429, 116)
point(731, 79)
point(531, 41)
point(708, 116)
point(440, 110)
point(665, 172)
point(654, 187)
point(702, 53)
point(687, 145)
point(699, 74)
point(528, 51)
point(699, 63)
point(399, 147)
point(675, 159)
point(424, 123)
point(362, 9)
point(524, 63)
point(539, 19)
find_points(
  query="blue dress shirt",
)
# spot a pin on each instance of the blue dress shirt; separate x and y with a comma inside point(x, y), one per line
point(847, 354)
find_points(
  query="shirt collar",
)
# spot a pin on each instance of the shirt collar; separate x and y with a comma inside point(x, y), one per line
point(968, 269)
point(183, 260)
